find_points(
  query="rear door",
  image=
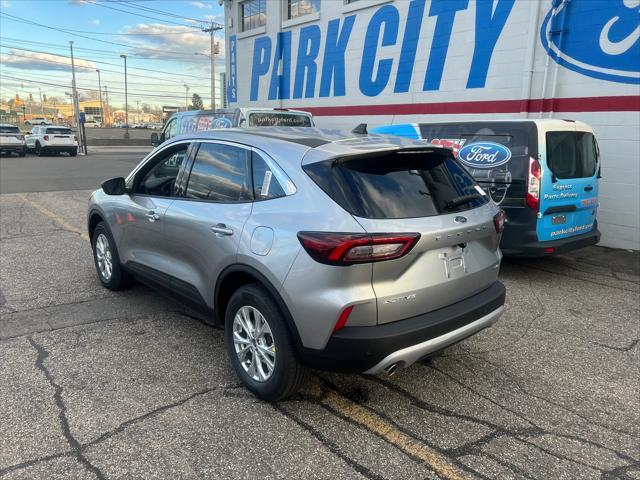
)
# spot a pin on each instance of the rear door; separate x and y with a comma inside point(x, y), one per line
point(569, 195)
point(416, 192)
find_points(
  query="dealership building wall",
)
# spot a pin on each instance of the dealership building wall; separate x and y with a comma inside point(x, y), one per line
point(401, 61)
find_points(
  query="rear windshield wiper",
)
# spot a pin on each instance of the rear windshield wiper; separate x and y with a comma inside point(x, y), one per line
point(462, 200)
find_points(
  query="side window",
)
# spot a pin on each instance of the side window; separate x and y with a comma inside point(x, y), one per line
point(220, 173)
point(265, 182)
point(170, 131)
point(160, 179)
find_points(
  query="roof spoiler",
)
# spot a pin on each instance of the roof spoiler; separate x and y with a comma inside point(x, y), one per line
point(360, 129)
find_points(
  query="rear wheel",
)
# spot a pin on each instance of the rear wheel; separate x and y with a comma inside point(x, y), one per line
point(260, 346)
point(39, 149)
point(106, 259)
point(73, 152)
point(22, 152)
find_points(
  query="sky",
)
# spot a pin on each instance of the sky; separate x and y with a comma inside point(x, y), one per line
point(159, 37)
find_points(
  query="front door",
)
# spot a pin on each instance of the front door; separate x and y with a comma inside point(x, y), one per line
point(204, 227)
point(139, 222)
point(569, 194)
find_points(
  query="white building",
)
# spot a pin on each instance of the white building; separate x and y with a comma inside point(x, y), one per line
point(384, 61)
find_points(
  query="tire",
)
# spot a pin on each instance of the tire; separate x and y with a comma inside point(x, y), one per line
point(103, 246)
point(74, 152)
point(288, 374)
point(22, 153)
point(39, 150)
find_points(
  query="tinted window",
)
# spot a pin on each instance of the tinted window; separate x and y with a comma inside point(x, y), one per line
point(9, 130)
point(161, 178)
point(571, 154)
point(399, 184)
point(220, 173)
point(59, 131)
point(278, 119)
point(265, 183)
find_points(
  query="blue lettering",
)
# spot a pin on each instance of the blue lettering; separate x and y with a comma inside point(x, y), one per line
point(409, 46)
point(333, 63)
point(308, 48)
point(391, 19)
point(281, 82)
point(445, 10)
point(261, 57)
point(489, 25)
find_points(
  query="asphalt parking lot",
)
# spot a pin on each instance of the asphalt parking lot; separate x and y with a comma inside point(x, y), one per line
point(97, 384)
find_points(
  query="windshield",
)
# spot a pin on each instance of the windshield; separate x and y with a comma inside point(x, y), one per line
point(402, 184)
point(9, 130)
point(279, 119)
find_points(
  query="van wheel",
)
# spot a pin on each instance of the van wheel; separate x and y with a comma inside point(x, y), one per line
point(107, 261)
point(260, 346)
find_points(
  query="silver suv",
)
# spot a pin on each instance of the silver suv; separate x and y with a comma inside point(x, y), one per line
point(311, 247)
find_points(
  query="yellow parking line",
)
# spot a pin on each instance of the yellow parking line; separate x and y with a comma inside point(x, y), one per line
point(56, 218)
point(385, 430)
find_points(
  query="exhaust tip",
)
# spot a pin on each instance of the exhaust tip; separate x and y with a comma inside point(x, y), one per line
point(391, 369)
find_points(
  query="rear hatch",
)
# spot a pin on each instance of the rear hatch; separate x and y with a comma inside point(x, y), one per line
point(423, 191)
point(60, 136)
point(569, 198)
point(11, 136)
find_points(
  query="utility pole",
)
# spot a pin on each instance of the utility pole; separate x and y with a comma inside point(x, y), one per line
point(76, 103)
point(186, 96)
point(126, 100)
point(106, 102)
point(100, 97)
point(41, 104)
point(212, 29)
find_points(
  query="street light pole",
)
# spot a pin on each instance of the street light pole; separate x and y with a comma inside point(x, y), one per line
point(126, 99)
point(100, 97)
point(212, 29)
point(74, 91)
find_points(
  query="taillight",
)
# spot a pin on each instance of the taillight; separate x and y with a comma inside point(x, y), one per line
point(533, 184)
point(349, 248)
point(46, 137)
point(499, 220)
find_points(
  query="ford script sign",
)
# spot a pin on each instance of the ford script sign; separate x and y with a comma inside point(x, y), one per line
point(598, 38)
point(484, 155)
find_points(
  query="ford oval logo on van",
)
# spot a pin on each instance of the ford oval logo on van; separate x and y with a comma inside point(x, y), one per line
point(598, 38)
point(221, 122)
point(484, 155)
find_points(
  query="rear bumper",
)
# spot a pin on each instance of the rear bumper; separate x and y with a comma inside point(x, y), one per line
point(13, 148)
point(59, 148)
point(563, 245)
point(372, 349)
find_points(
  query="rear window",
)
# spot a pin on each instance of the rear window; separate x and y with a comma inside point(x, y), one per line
point(59, 131)
point(401, 184)
point(278, 119)
point(571, 154)
point(9, 130)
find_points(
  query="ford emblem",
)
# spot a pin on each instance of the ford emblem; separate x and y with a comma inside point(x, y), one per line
point(484, 155)
point(601, 38)
point(460, 219)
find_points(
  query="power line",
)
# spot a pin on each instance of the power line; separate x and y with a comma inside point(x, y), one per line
point(140, 14)
point(161, 12)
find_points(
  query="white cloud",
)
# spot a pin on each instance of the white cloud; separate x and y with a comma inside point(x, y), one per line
point(42, 61)
point(201, 5)
point(95, 22)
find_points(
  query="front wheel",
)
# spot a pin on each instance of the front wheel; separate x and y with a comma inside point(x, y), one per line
point(260, 346)
point(106, 259)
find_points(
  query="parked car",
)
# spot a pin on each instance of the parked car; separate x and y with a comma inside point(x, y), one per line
point(190, 121)
point(12, 140)
point(543, 173)
point(311, 248)
point(55, 139)
point(92, 124)
point(38, 121)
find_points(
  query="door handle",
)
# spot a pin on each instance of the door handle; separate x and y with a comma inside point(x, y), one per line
point(152, 216)
point(221, 230)
point(588, 188)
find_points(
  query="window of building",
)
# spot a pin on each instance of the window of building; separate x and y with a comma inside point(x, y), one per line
point(253, 14)
point(298, 8)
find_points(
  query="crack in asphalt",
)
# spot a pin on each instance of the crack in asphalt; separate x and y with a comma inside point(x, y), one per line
point(627, 348)
point(76, 448)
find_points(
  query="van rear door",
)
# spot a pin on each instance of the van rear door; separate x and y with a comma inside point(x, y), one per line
point(569, 194)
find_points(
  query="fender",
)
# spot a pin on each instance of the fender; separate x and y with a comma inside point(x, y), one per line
point(273, 291)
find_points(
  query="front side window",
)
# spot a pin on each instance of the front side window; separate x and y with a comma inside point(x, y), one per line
point(298, 8)
point(253, 14)
point(160, 179)
point(571, 154)
point(220, 173)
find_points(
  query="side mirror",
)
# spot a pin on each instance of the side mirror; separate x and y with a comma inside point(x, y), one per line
point(154, 139)
point(115, 186)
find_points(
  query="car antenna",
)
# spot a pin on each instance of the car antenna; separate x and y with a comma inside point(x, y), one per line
point(360, 129)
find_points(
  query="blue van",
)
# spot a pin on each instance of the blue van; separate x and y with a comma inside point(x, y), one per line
point(543, 173)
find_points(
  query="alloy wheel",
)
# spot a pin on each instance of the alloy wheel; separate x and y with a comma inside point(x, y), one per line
point(103, 257)
point(254, 343)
